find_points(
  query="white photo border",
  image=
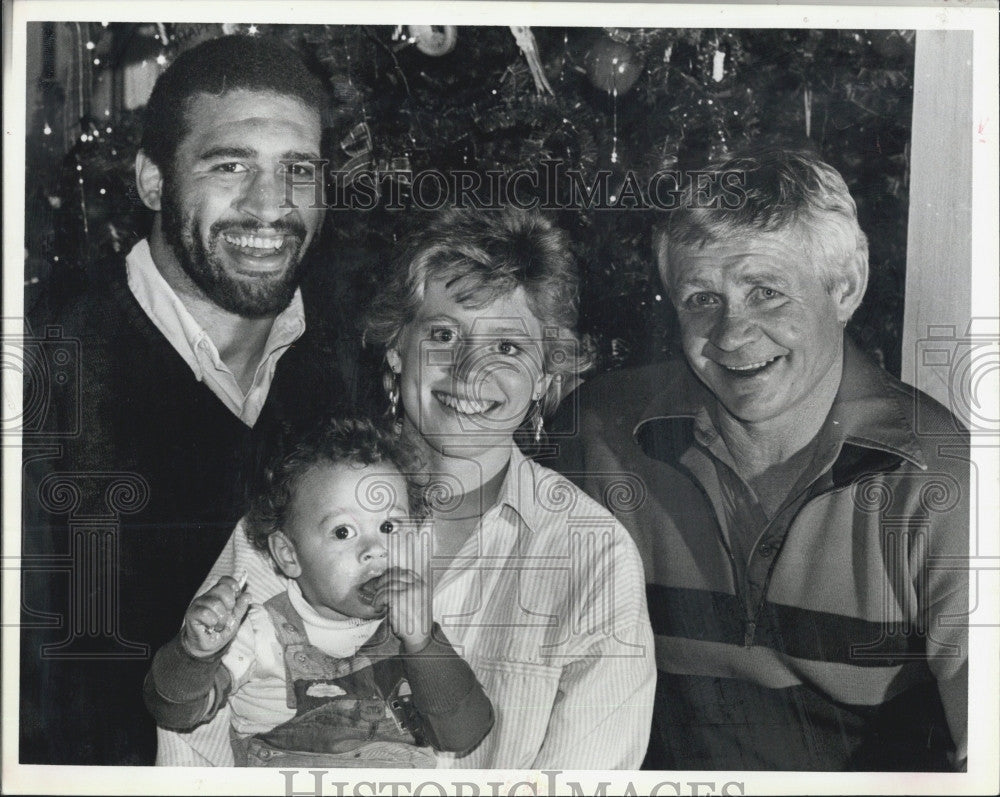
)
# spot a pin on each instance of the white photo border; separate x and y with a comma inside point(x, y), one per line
point(984, 771)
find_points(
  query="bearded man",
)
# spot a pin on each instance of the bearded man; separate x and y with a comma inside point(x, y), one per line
point(196, 351)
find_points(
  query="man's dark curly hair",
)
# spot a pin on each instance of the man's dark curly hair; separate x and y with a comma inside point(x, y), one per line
point(216, 67)
point(335, 441)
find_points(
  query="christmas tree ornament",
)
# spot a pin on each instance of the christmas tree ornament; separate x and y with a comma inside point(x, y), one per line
point(613, 66)
point(526, 41)
point(434, 40)
point(718, 66)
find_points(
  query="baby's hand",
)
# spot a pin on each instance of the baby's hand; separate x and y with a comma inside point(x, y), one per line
point(213, 619)
point(409, 603)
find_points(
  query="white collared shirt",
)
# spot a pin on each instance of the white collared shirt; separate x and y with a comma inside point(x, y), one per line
point(168, 313)
point(546, 602)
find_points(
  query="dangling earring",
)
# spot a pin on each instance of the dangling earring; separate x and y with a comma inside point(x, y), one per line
point(538, 423)
point(394, 399)
point(390, 382)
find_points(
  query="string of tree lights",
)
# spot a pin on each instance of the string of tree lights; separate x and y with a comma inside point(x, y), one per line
point(410, 98)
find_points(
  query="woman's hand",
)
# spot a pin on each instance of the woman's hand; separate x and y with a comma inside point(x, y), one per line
point(408, 599)
point(213, 618)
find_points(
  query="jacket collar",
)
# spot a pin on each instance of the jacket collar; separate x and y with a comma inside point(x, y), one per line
point(868, 421)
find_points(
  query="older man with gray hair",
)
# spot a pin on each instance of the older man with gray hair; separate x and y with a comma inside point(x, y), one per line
point(799, 528)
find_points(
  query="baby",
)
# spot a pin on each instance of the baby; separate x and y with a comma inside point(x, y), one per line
point(344, 667)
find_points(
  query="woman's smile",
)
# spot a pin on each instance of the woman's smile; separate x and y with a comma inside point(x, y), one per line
point(464, 406)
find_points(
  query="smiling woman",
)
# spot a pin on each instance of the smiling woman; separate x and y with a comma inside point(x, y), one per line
point(478, 323)
point(470, 372)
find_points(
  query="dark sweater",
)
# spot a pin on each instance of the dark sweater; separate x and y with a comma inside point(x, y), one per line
point(160, 470)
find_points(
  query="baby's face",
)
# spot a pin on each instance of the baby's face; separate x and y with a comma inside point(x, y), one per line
point(338, 521)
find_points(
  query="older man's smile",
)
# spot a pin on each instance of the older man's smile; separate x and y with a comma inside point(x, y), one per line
point(751, 369)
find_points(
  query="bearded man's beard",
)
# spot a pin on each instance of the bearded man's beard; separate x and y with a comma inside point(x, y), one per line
point(248, 297)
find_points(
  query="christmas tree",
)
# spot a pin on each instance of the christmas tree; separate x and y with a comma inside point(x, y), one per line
point(615, 101)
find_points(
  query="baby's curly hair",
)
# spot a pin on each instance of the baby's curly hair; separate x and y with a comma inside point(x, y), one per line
point(334, 441)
